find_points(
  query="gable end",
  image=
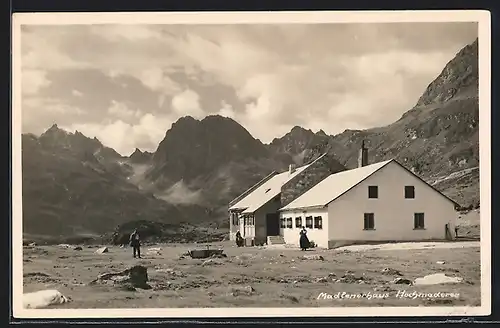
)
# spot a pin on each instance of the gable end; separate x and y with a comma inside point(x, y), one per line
point(428, 185)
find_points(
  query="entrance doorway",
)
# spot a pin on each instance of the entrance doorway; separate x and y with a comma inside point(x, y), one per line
point(273, 224)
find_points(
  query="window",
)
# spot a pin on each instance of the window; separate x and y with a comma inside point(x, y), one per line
point(283, 223)
point(409, 192)
point(369, 223)
point(298, 222)
point(289, 223)
point(309, 222)
point(235, 218)
point(372, 191)
point(318, 222)
point(419, 221)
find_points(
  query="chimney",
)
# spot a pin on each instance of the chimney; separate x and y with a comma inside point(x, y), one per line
point(291, 168)
point(363, 155)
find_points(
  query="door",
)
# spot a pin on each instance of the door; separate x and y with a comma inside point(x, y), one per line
point(273, 224)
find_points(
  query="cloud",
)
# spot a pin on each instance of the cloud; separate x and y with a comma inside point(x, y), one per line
point(33, 80)
point(124, 137)
point(187, 103)
point(269, 78)
point(157, 80)
point(226, 110)
point(121, 110)
point(76, 93)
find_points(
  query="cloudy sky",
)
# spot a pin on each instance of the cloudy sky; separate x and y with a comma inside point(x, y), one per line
point(127, 84)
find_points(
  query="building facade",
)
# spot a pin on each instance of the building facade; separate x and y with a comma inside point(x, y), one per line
point(255, 213)
point(380, 202)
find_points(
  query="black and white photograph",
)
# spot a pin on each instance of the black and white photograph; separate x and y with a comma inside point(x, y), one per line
point(251, 164)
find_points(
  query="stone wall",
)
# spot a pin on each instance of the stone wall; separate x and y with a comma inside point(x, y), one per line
point(316, 172)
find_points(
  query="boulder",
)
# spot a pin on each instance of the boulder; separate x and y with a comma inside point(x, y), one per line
point(43, 298)
point(136, 276)
point(78, 248)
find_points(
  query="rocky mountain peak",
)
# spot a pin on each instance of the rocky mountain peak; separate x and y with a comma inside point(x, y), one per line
point(458, 79)
point(140, 157)
point(192, 147)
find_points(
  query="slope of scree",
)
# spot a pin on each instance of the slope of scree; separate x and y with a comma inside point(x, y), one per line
point(435, 139)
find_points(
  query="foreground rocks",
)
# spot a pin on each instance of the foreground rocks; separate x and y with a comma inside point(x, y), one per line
point(129, 279)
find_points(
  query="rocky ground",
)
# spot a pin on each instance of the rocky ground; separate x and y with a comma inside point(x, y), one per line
point(275, 276)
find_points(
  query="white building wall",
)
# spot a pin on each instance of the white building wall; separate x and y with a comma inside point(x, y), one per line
point(233, 228)
point(394, 215)
point(319, 236)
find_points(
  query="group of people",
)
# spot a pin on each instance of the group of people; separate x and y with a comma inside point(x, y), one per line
point(303, 240)
point(135, 241)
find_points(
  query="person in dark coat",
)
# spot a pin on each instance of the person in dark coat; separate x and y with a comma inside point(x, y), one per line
point(304, 241)
point(135, 243)
point(239, 239)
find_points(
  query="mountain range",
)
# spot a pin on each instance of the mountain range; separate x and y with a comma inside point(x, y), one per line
point(76, 186)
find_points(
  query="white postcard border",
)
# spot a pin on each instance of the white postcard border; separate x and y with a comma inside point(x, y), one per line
point(484, 35)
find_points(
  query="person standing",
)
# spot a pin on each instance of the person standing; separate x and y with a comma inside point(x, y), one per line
point(135, 243)
point(239, 239)
point(303, 241)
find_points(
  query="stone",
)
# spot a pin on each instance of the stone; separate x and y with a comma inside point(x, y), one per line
point(437, 278)
point(321, 280)
point(440, 262)
point(247, 290)
point(313, 257)
point(211, 262)
point(43, 298)
point(292, 298)
point(391, 272)
point(350, 279)
point(102, 250)
point(77, 248)
point(64, 245)
point(402, 281)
